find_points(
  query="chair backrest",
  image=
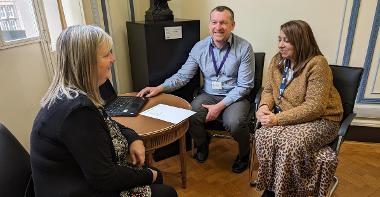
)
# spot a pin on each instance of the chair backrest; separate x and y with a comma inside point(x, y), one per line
point(347, 81)
point(259, 68)
point(15, 170)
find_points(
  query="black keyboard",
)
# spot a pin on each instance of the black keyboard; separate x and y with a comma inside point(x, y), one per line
point(126, 106)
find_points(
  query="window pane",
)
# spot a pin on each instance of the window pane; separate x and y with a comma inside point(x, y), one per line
point(17, 20)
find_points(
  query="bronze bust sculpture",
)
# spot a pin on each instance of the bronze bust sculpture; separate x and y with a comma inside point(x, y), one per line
point(159, 11)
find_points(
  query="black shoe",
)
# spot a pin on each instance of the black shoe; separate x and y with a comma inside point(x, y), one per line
point(240, 164)
point(202, 151)
point(268, 193)
point(201, 155)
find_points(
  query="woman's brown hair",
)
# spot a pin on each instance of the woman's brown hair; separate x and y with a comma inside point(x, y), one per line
point(300, 35)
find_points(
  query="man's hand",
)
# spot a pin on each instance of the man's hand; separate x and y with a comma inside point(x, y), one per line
point(214, 110)
point(151, 91)
point(137, 151)
point(262, 112)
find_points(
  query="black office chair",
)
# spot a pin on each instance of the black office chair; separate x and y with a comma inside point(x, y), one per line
point(215, 128)
point(346, 80)
point(15, 170)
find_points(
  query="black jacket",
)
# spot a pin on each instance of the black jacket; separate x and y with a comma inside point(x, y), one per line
point(72, 153)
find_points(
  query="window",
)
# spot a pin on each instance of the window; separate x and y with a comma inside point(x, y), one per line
point(18, 27)
point(19, 24)
point(3, 15)
point(6, 26)
point(13, 25)
point(10, 10)
point(61, 14)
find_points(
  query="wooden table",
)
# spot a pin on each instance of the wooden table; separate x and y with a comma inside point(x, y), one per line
point(157, 133)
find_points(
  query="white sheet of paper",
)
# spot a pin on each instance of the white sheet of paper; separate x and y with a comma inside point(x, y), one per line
point(168, 113)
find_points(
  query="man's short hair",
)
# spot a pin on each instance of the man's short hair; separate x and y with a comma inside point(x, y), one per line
point(221, 9)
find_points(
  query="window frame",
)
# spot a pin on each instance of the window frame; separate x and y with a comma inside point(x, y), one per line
point(24, 41)
point(3, 12)
point(11, 11)
point(12, 24)
point(7, 28)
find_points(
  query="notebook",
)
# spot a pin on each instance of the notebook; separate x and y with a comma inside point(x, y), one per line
point(120, 105)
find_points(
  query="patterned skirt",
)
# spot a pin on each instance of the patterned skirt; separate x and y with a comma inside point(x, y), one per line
point(294, 160)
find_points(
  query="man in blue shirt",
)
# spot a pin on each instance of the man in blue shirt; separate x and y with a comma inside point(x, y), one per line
point(227, 64)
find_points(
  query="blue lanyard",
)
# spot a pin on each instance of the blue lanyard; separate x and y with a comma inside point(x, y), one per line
point(284, 78)
point(217, 70)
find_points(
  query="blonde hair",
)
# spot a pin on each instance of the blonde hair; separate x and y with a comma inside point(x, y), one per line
point(76, 70)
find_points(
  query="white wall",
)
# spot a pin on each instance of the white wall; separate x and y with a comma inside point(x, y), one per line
point(23, 81)
point(73, 12)
point(119, 15)
point(259, 22)
point(368, 114)
point(53, 21)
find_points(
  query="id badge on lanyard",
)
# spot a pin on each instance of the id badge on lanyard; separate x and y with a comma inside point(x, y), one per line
point(284, 79)
point(217, 85)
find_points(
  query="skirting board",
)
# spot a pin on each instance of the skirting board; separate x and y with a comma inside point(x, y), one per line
point(366, 122)
point(363, 134)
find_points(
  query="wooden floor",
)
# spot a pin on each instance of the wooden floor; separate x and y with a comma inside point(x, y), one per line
point(358, 172)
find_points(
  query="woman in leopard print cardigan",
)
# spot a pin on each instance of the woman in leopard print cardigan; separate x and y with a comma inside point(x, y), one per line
point(300, 111)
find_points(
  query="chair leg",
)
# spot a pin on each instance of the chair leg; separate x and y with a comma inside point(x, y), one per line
point(336, 181)
point(253, 183)
point(192, 147)
point(251, 159)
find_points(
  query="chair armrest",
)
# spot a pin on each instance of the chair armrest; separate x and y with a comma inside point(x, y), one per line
point(345, 124)
point(196, 92)
point(257, 102)
point(258, 97)
point(343, 129)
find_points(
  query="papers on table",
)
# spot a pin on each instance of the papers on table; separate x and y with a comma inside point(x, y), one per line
point(168, 113)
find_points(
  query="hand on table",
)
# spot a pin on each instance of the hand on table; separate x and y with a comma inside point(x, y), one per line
point(151, 91)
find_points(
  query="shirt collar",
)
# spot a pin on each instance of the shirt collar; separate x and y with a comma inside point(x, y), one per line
point(229, 41)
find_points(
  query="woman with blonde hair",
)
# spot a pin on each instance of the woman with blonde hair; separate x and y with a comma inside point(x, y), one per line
point(76, 148)
point(300, 111)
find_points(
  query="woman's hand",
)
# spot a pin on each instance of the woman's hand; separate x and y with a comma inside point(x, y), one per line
point(269, 120)
point(154, 175)
point(262, 112)
point(137, 151)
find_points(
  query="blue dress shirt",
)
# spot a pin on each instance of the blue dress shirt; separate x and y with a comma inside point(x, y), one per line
point(236, 75)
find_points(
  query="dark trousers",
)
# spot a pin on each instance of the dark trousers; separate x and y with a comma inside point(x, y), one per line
point(159, 189)
point(234, 117)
